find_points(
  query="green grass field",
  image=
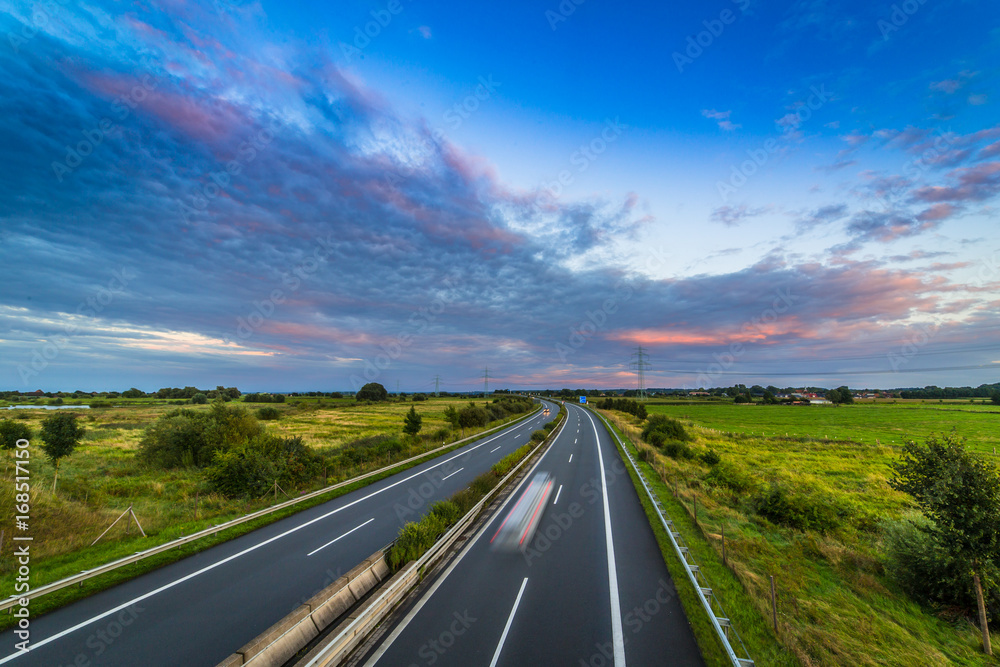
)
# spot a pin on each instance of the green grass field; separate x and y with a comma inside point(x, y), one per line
point(103, 477)
point(836, 606)
point(888, 423)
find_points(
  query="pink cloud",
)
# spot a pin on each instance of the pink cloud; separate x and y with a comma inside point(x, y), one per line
point(938, 212)
point(974, 184)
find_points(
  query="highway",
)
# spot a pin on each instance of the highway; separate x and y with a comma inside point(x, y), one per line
point(201, 609)
point(591, 589)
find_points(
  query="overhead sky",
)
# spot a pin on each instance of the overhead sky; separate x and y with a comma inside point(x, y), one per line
point(310, 195)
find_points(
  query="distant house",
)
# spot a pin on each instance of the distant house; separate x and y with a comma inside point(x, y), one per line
point(698, 393)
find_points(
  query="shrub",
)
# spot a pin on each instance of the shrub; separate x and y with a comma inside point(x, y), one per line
point(539, 435)
point(199, 399)
point(11, 432)
point(420, 397)
point(677, 450)
point(922, 567)
point(242, 472)
point(372, 391)
point(447, 510)
point(268, 413)
point(671, 429)
point(647, 454)
point(725, 474)
point(797, 510)
point(710, 457)
point(442, 433)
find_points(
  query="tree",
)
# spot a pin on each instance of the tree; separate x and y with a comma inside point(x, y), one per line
point(60, 435)
point(451, 415)
point(995, 398)
point(372, 391)
point(412, 422)
point(199, 399)
point(133, 393)
point(12, 431)
point(960, 494)
point(840, 396)
point(769, 398)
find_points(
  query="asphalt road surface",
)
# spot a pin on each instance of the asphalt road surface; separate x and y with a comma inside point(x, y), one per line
point(590, 590)
point(199, 610)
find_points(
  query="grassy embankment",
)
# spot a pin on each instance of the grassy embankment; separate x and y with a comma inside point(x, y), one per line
point(836, 606)
point(103, 477)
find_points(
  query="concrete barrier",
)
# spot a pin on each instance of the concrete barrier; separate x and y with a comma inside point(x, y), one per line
point(276, 645)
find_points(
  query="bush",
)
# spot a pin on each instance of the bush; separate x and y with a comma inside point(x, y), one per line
point(447, 510)
point(710, 457)
point(415, 539)
point(442, 433)
point(677, 450)
point(539, 435)
point(268, 413)
point(801, 511)
point(647, 454)
point(11, 432)
point(420, 397)
point(725, 474)
point(923, 569)
point(670, 429)
point(372, 391)
point(504, 465)
point(199, 399)
point(243, 472)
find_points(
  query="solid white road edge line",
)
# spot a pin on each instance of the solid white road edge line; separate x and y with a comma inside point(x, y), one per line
point(125, 605)
point(342, 536)
point(510, 620)
point(617, 636)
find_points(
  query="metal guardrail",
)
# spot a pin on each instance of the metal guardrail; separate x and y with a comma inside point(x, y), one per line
point(187, 539)
point(709, 601)
point(337, 647)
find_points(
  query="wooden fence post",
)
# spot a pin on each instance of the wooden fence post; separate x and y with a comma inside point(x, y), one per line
point(774, 606)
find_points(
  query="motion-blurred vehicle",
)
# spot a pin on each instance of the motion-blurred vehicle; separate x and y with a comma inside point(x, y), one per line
point(518, 527)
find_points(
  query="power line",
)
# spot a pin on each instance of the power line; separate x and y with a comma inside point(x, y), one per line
point(995, 367)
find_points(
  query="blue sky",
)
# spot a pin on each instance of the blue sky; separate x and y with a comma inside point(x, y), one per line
point(262, 194)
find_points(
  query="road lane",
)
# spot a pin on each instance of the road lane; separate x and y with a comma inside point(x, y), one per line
point(200, 609)
point(593, 586)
